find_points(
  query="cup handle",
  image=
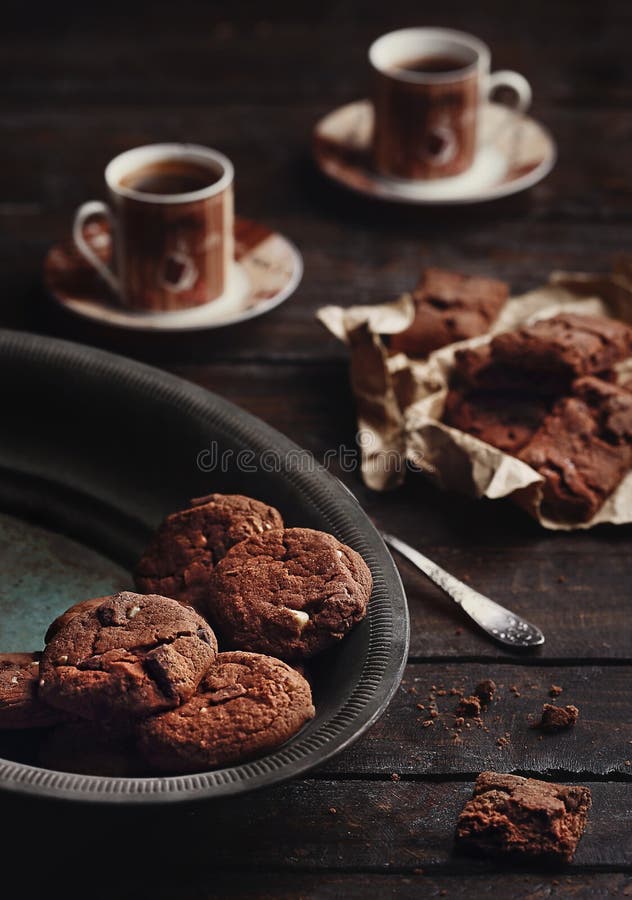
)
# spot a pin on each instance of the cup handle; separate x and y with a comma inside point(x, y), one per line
point(85, 212)
point(515, 82)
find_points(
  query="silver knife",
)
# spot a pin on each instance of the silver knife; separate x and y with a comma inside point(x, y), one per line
point(501, 624)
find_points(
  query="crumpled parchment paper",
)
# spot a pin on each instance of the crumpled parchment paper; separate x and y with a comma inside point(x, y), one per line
point(400, 400)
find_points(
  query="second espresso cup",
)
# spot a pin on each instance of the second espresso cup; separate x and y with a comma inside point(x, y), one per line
point(429, 84)
point(171, 218)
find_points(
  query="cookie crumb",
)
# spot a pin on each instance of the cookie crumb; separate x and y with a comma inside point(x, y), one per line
point(557, 718)
point(502, 742)
point(469, 706)
point(395, 777)
point(555, 690)
point(485, 691)
point(332, 810)
point(427, 723)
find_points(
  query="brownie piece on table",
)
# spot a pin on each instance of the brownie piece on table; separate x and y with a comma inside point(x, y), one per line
point(523, 818)
point(449, 307)
point(506, 421)
point(568, 344)
point(583, 449)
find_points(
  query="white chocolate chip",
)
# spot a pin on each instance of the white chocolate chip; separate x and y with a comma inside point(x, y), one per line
point(301, 617)
point(203, 709)
point(42, 682)
point(339, 552)
point(14, 680)
point(133, 611)
point(63, 659)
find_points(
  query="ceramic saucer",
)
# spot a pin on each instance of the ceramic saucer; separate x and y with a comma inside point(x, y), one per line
point(516, 152)
point(267, 270)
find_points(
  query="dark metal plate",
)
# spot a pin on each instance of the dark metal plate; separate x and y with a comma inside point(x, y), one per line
point(95, 449)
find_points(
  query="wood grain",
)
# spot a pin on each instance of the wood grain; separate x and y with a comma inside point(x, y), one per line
point(599, 745)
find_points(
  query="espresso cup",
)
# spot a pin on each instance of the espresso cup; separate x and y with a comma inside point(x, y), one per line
point(429, 85)
point(171, 218)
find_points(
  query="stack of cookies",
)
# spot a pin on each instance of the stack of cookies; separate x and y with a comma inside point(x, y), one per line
point(547, 394)
point(134, 683)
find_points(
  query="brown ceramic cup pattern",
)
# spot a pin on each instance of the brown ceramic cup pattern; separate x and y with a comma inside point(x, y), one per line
point(171, 251)
point(426, 121)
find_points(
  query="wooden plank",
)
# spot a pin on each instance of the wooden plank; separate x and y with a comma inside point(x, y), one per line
point(377, 827)
point(208, 54)
point(358, 886)
point(599, 745)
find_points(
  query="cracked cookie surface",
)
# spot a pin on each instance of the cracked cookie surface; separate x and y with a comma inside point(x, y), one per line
point(290, 592)
point(247, 705)
point(20, 705)
point(130, 656)
point(190, 543)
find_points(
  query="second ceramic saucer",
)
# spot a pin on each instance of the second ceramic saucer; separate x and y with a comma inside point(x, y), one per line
point(267, 270)
point(516, 153)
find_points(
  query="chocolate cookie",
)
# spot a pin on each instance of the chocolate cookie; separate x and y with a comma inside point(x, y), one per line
point(20, 704)
point(290, 593)
point(246, 706)
point(88, 748)
point(449, 307)
point(189, 544)
point(131, 656)
point(523, 818)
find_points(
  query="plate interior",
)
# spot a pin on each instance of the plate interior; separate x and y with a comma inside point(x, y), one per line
point(95, 451)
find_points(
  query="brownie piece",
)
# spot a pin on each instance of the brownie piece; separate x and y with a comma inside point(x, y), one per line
point(449, 307)
point(583, 449)
point(523, 818)
point(506, 421)
point(557, 718)
point(568, 345)
point(475, 368)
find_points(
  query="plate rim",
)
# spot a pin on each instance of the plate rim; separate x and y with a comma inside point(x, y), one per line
point(142, 322)
point(388, 620)
point(506, 189)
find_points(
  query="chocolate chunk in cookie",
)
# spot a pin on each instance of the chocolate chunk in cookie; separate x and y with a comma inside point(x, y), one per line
point(523, 818)
point(90, 748)
point(130, 656)
point(449, 307)
point(246, 706)
point(20, 703)
point(290, 593)
point(190, 543)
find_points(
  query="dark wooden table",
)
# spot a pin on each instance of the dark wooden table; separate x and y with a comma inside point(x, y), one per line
point(78, 86)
